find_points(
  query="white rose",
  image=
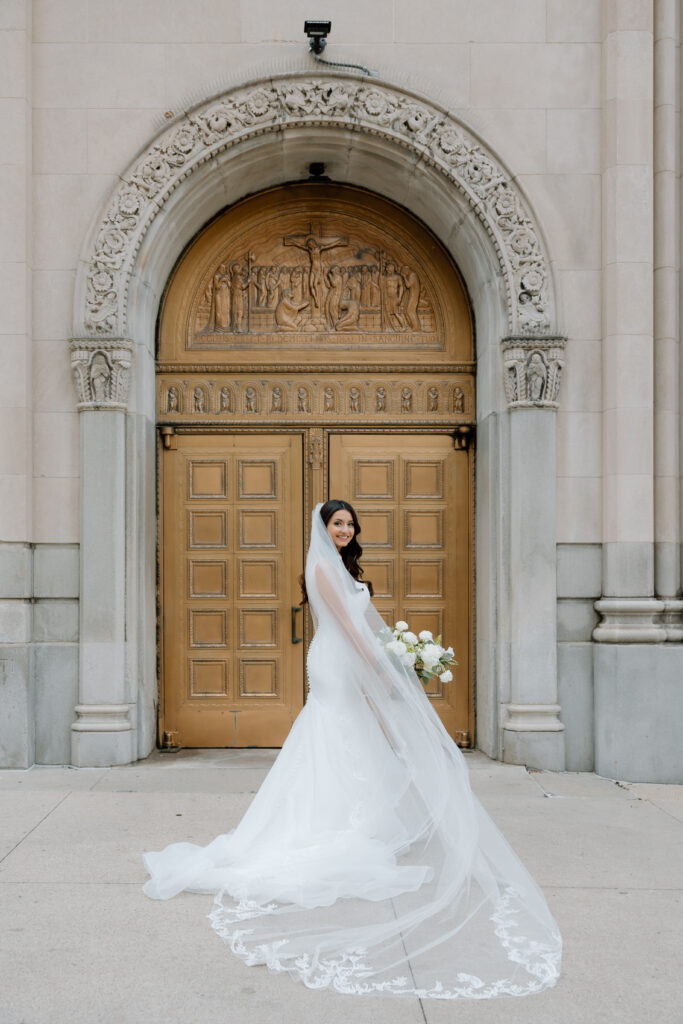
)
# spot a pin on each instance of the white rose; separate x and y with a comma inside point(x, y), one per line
point(426, 635)
point(409, 658)
point(401, 626)
point(409, 638)
point(450, 652)
point(430, 655)
point(446, 676)
point(397, 647)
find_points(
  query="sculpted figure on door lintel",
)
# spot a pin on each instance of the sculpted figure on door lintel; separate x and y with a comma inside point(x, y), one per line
point(304, 399)
point(313, 282)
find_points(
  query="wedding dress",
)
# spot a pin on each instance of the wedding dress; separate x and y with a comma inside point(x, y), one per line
point(364, 862)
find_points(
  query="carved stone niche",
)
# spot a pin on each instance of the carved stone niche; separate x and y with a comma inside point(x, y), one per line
point(532, 371)
point(101, 372)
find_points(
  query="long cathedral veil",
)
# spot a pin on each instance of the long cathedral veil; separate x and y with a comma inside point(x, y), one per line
point(365, 862)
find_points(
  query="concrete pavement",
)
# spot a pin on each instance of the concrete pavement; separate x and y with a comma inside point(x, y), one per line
point(80, 944)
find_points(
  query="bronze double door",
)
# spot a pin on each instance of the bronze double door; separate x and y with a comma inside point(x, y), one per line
point(234, 517)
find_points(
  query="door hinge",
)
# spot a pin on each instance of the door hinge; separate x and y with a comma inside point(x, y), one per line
point(463, 738)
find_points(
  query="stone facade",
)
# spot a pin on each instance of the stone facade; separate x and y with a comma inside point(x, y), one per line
point(540, 142)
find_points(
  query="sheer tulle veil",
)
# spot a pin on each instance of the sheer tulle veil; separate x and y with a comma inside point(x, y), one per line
point(365, 862)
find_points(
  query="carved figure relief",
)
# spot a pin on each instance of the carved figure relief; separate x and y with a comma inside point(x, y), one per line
point(381, 399)
point(173, 400)
point(100, 378)
point(433, 400)
point(250, 400)
point(458, 400)
point(276, 399)
point(536, 375)
point(406, 400)
point(199, 400)
point(316, 281)
point(328, 400)
point(225, 400)
point(354, 400)
point(302, 403)
point(101, 372)
point(533, 370)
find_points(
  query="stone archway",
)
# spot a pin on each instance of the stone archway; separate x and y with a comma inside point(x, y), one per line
point(410, 150)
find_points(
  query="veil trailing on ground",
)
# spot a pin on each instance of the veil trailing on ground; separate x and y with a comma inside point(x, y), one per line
point(364, 861)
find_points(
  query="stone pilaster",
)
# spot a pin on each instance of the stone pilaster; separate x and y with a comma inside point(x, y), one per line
point(103, 733)
point(532, 731)
point(628, 606)
point(667, 363)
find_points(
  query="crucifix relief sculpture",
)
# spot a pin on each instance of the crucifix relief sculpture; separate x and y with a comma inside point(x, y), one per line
point(330, 279)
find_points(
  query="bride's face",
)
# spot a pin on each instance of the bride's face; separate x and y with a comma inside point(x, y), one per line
point(340, 528)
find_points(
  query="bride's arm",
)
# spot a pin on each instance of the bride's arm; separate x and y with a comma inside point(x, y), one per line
point(335, 605)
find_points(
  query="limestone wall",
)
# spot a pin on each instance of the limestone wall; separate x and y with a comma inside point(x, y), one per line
point(526, 76)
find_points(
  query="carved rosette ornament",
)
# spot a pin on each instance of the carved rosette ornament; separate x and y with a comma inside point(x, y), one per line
point(325, 102)
point(101, 372)
point(532, 371)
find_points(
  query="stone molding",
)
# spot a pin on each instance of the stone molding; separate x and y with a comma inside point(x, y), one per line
point(101, 371)
point(628, 620)
point(326, 101)
point(672, 619)
point(532, 371)
point(533, 718)
point(102, 718)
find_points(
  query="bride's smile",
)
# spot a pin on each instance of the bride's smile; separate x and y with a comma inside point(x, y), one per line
point(340, 528)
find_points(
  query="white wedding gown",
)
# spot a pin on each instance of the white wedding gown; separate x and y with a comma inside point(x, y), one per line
point(364, 861)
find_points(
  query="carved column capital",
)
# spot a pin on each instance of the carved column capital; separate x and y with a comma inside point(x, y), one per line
point(101, 371)
point(532, 369)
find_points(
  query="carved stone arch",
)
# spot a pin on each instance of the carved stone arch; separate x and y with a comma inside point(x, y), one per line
point(425, 131)
point(411, 151)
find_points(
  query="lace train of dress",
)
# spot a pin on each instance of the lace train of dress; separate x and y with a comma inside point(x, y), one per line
point(364, 861)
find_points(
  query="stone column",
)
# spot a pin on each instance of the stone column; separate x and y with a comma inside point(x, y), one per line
point(667, 316)
point(630, 613)
point(103, 733)
point(532, 732)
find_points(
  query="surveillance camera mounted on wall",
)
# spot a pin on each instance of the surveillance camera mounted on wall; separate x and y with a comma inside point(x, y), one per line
point(317, 32)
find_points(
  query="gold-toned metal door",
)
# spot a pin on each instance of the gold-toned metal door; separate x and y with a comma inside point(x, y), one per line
point(413, 498)
point(231, 552)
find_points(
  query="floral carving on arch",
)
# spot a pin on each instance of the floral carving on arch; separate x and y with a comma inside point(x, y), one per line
point(329, 102)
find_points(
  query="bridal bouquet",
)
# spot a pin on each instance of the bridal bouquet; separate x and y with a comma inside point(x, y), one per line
point(422, 653)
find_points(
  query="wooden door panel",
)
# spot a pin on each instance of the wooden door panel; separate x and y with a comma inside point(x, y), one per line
point(412, 494)
point(231, 555)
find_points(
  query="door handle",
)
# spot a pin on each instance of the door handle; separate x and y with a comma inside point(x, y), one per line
point(295, 639)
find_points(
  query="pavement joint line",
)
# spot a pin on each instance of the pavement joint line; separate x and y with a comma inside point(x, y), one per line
point(37, 824)
point(658, 807)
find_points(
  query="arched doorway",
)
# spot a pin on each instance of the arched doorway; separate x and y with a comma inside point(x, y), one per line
point(314, 341)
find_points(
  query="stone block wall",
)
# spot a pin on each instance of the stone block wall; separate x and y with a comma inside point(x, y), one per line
point(39, 587)
point(526, 77)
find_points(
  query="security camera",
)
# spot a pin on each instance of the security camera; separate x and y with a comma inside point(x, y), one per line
point(317, 32)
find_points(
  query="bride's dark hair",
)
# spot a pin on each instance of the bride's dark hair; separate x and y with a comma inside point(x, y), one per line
point(351, 553)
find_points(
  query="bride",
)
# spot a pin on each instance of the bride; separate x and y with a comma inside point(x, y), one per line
point(364, 861)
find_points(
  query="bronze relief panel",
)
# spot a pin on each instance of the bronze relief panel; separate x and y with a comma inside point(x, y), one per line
point(326, 270)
